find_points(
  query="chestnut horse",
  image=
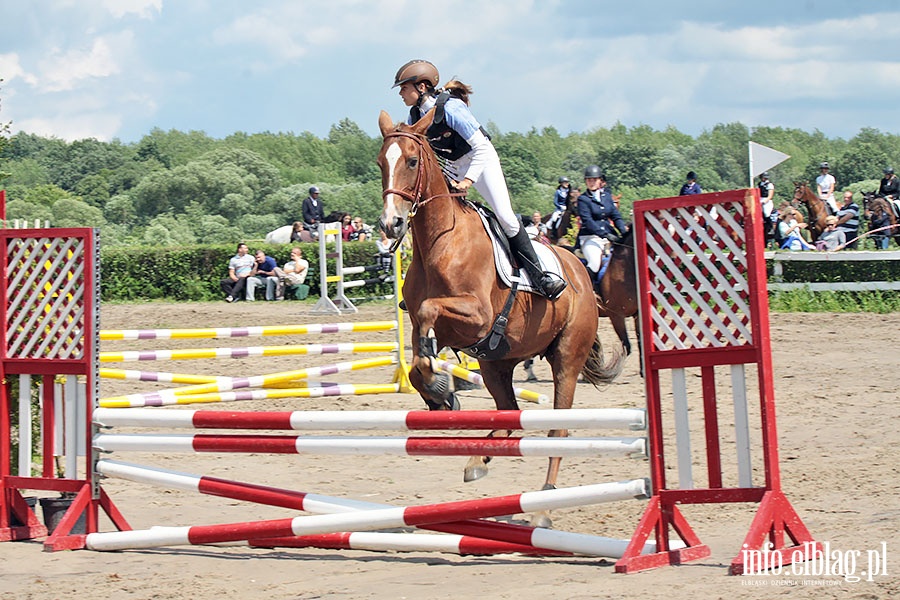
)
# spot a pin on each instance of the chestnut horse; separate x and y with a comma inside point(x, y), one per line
point(617, 291)
point(453, 293)
point(815, 208)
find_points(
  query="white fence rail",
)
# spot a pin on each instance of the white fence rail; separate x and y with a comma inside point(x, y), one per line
point(779, 258)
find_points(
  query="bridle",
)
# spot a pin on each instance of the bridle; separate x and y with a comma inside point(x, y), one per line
point(415, 196)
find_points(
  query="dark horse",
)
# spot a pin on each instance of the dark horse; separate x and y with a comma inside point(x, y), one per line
point(562, 226)
point(453, 293)
point(875, 203)
point(617, 290)
point(815, 208)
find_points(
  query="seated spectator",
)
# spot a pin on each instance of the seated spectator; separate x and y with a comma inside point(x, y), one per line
point(361, 232)
point(535, 228)
point(879, 219)
point(300, 234)
point(293, 273)
point(789, 232)
point(239, 268)
point(263, 273)
point(848, 220)
point(832, 238)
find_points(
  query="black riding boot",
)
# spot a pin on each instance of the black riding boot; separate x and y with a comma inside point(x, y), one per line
point(546, 283)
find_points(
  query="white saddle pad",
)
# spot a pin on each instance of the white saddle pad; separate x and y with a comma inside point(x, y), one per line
point(548, 259)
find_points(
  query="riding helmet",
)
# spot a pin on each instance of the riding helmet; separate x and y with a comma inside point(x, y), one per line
point(313, 190)
point(417, 71)
point(824, 165)
point(889, 171)
point(691, 175)
point(563, 180)
point(764, 175)
point(592, 171)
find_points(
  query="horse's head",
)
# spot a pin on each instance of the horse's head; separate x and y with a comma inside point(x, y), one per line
point(402, 160)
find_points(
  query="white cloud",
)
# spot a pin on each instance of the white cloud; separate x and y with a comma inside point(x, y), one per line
point(61, 71)
point(76, 126)
point(145, 9)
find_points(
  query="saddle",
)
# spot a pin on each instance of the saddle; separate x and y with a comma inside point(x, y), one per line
point(503, 254)
point(494, 345)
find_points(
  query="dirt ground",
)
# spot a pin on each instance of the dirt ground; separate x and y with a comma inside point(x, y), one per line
point(836, 381)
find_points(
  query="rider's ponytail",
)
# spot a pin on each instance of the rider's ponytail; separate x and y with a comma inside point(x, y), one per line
point(458, 89)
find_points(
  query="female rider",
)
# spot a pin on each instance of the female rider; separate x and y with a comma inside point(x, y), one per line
point(596, 209)
point(468, 157)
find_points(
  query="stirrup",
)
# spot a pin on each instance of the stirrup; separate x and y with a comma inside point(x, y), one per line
point(552, 287)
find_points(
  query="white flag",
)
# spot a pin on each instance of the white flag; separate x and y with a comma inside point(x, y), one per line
point(763, 158)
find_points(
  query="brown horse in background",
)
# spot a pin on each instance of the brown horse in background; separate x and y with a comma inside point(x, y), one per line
point(815, 208)
point(875, 203)
point(561, 228)
point(617, 291)
point(453, 292)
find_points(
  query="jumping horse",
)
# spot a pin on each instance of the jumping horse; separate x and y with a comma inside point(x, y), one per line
point(815, 207)
point(453, 293)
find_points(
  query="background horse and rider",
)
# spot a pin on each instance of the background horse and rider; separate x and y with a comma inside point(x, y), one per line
point(875, 203)
point(816, 209)
point(452, 304)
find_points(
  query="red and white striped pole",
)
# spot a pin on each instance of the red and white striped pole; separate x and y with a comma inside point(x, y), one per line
point(349, 445)
point(402, 420)
point(378, 519)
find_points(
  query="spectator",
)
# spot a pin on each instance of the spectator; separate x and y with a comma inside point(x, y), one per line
point(878, 219)
point(346, 227)
point(361, 231)
point(767, 203)
point(848, 220)
point(832, 238)
point(535, 228)
point(789, 233)
point(600, 219)
point(293, 273)
point(690, 186)
point(299, 233)
point(313, 212)
point(239, 268)
point(825, 188)
point(263, 273)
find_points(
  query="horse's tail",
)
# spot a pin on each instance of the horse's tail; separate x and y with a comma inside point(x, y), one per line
point(597, 370)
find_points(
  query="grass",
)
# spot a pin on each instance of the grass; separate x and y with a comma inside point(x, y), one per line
point(842, 302)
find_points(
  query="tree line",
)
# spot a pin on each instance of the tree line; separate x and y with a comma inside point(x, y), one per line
point(175, 188)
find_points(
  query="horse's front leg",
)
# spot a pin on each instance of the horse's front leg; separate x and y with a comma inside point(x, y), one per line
point(460, 321)
point(497, 376)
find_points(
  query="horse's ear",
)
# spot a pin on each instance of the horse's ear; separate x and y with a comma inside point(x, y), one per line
point(423, 123)
point(385, 123)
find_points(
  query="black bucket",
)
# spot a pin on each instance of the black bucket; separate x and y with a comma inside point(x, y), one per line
point(54, 509)
point(31, 501)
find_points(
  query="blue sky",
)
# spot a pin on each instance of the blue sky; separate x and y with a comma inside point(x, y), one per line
point(118, 68)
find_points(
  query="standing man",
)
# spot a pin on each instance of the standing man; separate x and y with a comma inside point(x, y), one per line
point(239, 268)
point(848, 220)
point(313, 211)
point(690, 186)
point(767, 203)
point(825, 188)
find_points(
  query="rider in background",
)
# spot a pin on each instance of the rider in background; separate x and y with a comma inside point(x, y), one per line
point(560, 201)
point(601, 221)
point(825, 188)
point(468, 157)
point(690, 186)
point(889, 189)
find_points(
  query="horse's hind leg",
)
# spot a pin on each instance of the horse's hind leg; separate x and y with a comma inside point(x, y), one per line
point(497, 376)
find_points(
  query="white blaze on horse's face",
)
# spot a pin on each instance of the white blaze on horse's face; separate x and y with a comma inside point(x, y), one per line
point(392, 215)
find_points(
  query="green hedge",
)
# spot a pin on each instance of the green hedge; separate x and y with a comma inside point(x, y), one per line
point(194, 272)
point(837, 270)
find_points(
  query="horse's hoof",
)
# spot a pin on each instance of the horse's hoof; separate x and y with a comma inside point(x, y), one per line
point(473, 473)
point(452, 403)
point(542, 520)
point(439, 388)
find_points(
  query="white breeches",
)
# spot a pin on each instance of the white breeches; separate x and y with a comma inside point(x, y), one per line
point(593, 247)
point(492, 187)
